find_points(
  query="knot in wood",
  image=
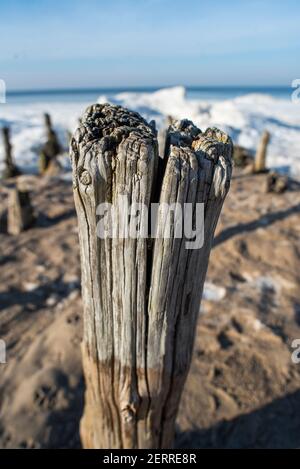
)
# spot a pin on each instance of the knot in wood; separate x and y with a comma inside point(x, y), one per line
point(84, 177)
point(128, 414)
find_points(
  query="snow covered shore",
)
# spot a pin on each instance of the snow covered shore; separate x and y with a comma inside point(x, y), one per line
point(244, 118)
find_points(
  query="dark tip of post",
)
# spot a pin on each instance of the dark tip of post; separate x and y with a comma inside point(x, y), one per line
point(48, 122)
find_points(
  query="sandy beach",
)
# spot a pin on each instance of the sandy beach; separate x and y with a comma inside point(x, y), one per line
point(243, 388)
point(149, 232)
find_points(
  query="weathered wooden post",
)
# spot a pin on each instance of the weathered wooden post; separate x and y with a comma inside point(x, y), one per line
point(20, 212)
point(141, 297)
point(10, 168)
point(50, 149)
point(261, 153)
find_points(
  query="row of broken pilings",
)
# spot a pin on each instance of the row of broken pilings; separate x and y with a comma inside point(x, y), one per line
point(48, 152)
point(274, 181)
point(19, 215)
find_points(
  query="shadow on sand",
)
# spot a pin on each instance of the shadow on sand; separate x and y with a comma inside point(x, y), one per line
point(264, 221)
point(276, 425)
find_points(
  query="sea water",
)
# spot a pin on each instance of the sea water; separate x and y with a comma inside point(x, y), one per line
point(242, 112)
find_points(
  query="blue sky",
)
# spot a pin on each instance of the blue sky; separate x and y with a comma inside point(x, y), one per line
point(119, 43)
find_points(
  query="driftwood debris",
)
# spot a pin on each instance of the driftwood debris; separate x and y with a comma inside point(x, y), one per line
point(20, 214)
point(10, 169)
point(141, 295)
point(48, 163)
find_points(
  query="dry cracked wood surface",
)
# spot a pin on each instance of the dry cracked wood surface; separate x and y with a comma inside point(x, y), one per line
point(141, 296)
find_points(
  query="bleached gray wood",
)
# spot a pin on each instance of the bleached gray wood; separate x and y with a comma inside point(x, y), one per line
point(198, 170)
point(141, 297)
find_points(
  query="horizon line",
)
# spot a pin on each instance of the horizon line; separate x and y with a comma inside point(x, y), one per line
point(142, 88)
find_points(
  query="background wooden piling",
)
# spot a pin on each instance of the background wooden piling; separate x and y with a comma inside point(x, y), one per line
point(20, 212)
point(50, 150)
point(261, 153)
point(10, 169)
point(141, 296)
